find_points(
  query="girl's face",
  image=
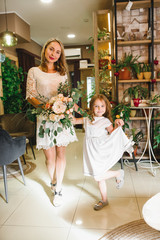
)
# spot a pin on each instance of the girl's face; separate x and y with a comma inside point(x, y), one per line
point(99, 108)
point(53, 52)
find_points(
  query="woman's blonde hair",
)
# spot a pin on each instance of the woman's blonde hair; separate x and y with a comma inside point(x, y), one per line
point(101, 97)
point(60, 65)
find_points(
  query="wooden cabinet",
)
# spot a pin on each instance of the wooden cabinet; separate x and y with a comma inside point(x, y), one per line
point(103, 52)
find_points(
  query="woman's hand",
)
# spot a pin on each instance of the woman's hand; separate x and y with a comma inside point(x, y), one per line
point(119, 122)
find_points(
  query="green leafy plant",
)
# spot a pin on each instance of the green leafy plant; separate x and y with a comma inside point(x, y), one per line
point(140, 68)
point(103, 34)
point(122, 111)
point(154, 99)
point(128, 61)
point(136, 92)
point(136, 135)
point(12, 77)
point(147, 67)
point(103, 53)
point(157, 136)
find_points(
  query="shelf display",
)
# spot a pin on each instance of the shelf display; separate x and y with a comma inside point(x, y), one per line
point(103, 52)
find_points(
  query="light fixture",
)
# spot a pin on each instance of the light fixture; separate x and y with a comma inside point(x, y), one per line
point(8, 38)
point(129, 5)
point(2, 56)
point(46, 1)
point(71, 35)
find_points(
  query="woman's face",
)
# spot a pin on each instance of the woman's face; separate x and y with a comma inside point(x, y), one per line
point(99, 108)
point(53, 52)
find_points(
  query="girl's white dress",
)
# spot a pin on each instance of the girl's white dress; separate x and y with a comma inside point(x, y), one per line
point(101, 150)
point(43, 86)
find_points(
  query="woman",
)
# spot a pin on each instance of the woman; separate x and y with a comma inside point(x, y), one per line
point(42, 84)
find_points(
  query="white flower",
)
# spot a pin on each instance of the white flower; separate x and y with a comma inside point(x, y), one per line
point(59, 107)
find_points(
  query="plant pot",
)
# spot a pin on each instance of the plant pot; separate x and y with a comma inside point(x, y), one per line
point(103, 63)
point(135, 150)
point(140, 75)
point(133, 113)
point(125, 74)
point(147, 75)
point(137, 101)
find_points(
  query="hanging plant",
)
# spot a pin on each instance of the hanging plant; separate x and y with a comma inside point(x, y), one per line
point(12, 77)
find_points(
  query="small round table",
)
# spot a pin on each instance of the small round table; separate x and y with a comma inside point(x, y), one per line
point(152, 158)
point(151, 212)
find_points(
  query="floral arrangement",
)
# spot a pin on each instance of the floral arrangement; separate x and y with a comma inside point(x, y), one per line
point(59, 109)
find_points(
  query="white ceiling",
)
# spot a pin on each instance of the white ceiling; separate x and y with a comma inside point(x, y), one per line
point(57, 19)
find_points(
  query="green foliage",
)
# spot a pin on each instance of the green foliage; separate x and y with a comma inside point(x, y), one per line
point(122, 111)
point(139, 68)
point(128, 61)
point(12, 77)
point(136, 136)
point(157, 136)
point(136, 92)
point(147, 67)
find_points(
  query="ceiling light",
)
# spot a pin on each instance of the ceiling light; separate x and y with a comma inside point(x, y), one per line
point(129, 5)
point(71, 35)
point(46, 1)
point(8, 38)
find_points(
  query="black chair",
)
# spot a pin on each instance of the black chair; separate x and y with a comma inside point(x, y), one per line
point(17, 124)
point(134, 160)
point(10, 150)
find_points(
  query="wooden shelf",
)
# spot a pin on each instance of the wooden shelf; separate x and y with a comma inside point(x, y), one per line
point(157, 41)
point(134, 81)
point(141, 118)
point(104, 41)
point(136, 42)
point(138, 4)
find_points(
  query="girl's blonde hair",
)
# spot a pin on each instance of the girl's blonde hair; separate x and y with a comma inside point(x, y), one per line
point(61, 65)
point(101, 97)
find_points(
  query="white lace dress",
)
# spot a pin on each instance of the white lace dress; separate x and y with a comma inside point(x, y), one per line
point(44, 84)
point(101, 150)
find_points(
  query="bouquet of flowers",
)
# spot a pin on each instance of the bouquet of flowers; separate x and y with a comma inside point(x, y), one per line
point(59, 109)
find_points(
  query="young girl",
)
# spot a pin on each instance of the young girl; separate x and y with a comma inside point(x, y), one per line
point(103, 146)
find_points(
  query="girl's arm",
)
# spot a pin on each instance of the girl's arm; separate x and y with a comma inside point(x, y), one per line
point(77, 120)
point(118, 122)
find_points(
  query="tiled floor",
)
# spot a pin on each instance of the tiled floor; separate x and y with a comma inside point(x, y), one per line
point(30, 215)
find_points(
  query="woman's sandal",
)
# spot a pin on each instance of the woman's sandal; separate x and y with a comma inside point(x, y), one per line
point(100, 205)
point(53, 187)
point(120, 179)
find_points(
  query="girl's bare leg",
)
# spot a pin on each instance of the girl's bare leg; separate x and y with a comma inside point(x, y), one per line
point(50, 155)
point(60, 166)
point(107, 175)
point(103, 190)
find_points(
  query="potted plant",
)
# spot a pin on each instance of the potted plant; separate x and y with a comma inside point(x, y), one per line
point(125, 66)
point(136, 93)
point(103, 34)
point(140, 71)
point(122, 111)
point(154, 99)
point(103, 55)
point(137, 136)
point(147, 69)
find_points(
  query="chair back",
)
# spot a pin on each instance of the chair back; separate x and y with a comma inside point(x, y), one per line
point(10, 148)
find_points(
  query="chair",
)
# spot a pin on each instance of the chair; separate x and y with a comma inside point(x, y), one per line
point(17, 124)
point(134, 160)
point(10, 150)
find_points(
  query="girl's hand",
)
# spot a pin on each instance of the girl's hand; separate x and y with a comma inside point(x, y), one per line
point(119, 122)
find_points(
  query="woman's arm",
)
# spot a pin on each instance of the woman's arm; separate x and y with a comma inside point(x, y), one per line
point(77, 120)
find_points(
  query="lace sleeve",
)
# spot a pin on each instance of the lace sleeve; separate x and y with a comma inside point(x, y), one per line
point(31, 85)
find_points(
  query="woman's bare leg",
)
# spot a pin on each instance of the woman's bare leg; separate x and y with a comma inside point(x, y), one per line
point(60, 166)
point(107, 175)
point(50, 155)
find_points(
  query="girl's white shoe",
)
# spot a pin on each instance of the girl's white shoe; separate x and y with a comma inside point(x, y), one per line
point(120, 179)
point(58, 200)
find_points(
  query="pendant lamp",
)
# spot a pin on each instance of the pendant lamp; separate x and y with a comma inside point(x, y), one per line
point(8, 38)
